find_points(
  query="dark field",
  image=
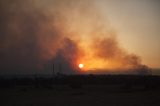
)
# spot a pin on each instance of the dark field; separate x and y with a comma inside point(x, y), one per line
point(81, 90)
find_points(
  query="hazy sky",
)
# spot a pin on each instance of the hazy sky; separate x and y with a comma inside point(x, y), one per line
point(101, 34)
point(137, 23)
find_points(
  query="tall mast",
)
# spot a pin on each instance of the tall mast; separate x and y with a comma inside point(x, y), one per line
point(53, 69)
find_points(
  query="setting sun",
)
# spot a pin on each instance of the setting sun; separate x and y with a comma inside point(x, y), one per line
point(81, 65)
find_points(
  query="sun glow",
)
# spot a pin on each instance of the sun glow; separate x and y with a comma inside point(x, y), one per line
point(81, 66)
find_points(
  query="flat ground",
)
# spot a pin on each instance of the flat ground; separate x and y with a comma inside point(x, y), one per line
point(88, 95)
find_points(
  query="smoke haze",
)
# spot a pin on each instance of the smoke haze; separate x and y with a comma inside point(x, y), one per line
point(36, 34)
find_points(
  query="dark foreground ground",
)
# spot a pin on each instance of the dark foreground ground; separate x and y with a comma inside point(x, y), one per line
point(81, 91)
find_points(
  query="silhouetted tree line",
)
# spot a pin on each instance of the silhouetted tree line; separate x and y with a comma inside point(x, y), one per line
point(78, 81)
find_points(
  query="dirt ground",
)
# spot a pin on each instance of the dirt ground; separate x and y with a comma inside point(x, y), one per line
point(88, 95)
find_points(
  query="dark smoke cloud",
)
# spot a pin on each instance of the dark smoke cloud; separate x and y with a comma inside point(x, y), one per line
point(25, 34)
point(109, 50)
point(36, 34)
point(106, 48)
point(33, 32)
point(67, 57)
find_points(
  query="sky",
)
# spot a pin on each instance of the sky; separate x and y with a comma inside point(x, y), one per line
point(137, 23)
point(103, 35)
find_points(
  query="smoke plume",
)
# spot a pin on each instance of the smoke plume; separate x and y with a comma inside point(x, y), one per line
point(35, 34)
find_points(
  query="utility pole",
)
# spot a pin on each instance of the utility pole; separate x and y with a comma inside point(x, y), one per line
point(53, 70)
point(60, 68)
